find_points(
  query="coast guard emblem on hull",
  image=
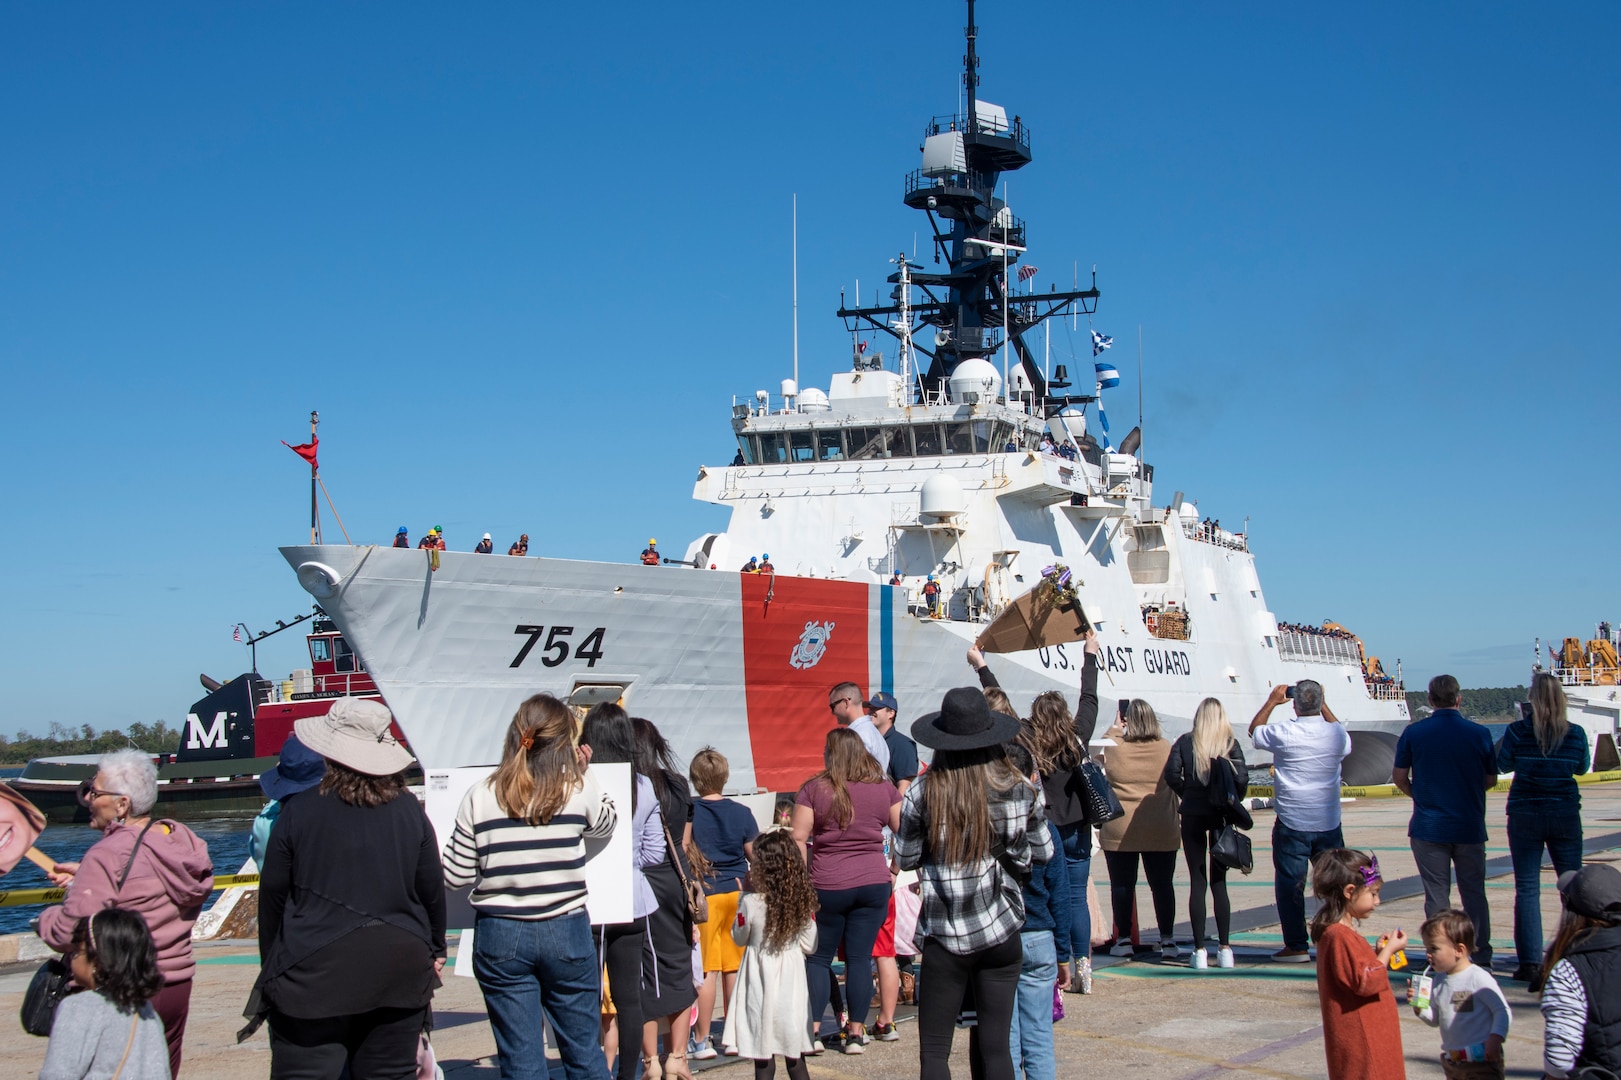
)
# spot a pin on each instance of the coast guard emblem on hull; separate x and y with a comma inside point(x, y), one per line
point(812, 644)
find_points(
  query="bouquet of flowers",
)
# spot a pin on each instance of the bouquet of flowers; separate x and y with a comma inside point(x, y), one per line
point(1057, 587)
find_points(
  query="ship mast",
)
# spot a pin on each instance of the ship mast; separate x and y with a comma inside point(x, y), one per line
point(971, 305)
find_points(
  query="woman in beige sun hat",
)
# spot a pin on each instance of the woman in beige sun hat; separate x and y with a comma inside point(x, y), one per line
point(351, 907)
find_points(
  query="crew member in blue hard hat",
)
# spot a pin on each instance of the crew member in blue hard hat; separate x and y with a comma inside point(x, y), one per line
point(765, 565)
point(931, 594)
point(402, 537)
point(752, 566)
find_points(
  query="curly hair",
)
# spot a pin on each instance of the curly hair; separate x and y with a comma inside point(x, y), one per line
point(121, 951)
point(780, 877)
point(361, 789)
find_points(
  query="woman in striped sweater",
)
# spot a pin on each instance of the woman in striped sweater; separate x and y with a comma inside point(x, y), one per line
point(520, 842)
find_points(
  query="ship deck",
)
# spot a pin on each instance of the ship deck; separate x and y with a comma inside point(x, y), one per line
point(1259, 1019)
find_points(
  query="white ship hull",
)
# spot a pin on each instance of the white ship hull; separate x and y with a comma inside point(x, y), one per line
point(741, 662)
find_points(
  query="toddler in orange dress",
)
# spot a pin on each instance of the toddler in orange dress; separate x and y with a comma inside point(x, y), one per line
point(1361, 1024)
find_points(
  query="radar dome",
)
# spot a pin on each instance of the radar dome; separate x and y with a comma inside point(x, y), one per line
point(975, 375)
point(813, 400)
point(942, 497)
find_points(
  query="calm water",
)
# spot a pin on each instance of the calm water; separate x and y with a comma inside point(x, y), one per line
point(227, 840)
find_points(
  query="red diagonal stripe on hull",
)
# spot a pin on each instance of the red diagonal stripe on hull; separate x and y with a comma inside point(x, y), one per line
point(788, 714)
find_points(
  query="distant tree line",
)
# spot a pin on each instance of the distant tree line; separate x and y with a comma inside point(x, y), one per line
point(158, 738)
point(1496, 704)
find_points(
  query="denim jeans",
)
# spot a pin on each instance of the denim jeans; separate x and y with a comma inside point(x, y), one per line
point(527, 967)
point(1528, 834)
point(851, 917)
point(1031, 1038)
point(1077, 840)
point(1292, 853)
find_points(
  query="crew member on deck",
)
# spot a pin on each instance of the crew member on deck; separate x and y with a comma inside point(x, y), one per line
point(650, 553)
point(485, 546)
point(765, 565)
point(895, 578)
point(752, 566)
point(519, 546)
point(931, 594)
point(428, 542)
point(402, 538)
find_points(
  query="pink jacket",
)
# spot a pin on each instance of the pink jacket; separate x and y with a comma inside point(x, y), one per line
point(171, 877)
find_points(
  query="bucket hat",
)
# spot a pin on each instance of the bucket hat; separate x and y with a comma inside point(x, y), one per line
point(299, 769)
point(354, 732)
point(1594, 890)
point(965, 722)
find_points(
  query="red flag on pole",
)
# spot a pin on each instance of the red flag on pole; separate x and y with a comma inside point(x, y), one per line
point(306, 451)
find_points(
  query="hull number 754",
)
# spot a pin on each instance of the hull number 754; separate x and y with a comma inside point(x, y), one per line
point(556, 648)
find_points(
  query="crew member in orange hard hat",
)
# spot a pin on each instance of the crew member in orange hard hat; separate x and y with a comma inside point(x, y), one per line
point(650, 553)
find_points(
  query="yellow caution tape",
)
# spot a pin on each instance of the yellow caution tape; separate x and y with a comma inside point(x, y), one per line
point(23, 897)
point(1388, 791)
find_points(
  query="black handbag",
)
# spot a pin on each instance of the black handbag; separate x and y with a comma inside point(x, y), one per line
point(1231, 848)
point(51, 983)
point(1101, 802)
point(54, 980)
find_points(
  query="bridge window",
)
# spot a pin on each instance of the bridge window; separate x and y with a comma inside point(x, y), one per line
point(320, 650)
point(773, 448)
point(800, 447)
point(927, 437)
point(344, 655)
point(749, 448)
point(828, 446)
point(959, 439)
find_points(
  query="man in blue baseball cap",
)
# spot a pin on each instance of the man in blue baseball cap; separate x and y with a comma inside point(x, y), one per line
point(902, 768)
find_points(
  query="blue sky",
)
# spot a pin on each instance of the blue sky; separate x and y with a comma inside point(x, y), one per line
point(522, 258)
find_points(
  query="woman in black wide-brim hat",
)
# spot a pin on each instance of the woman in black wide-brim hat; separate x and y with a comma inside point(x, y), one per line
point(971, 826)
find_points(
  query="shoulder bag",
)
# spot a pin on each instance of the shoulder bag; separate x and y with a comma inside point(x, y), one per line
point(54, 980)
point(1231, 848)
point(1101, 802)
point(697, 902)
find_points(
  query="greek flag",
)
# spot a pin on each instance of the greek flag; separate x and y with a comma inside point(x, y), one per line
point(1108, 375)
point(1100, 342)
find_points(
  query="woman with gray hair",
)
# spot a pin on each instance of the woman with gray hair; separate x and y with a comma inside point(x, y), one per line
point(155, 867)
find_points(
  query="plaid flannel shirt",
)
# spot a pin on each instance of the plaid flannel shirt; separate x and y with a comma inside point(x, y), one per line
point(973, 907)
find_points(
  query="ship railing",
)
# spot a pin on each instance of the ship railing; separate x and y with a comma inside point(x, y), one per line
point(1014, 130)
point(1208, 533)
point(1586, 676)
point(1317, 648)
point(1386, 689)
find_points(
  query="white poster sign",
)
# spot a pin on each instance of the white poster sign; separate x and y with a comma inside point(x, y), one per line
point(610, 895)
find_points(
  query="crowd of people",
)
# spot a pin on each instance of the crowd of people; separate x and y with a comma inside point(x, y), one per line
point(434, 540)
point(1316, 631)
point(969, 877)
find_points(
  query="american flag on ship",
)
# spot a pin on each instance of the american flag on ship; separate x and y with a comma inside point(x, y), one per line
point(1028, 272)
point(236, 633)
point(1100, 342)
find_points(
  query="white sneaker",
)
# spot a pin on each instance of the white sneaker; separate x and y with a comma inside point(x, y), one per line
point(703, 1051)
point(1169, 951)
point(1200, 961)
point(1122, 949)
point(1224, 958)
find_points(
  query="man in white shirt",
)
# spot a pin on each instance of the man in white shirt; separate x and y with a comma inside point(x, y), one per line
point(1307, 750)
point(845, 701)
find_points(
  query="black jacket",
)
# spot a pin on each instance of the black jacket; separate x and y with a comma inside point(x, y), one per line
point(1597, 960)
point(347, 881)
point(1198, 801)
point(1063, 800)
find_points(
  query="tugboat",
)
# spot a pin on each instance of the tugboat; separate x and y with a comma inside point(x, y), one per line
point(903, 508)
point(232, 735)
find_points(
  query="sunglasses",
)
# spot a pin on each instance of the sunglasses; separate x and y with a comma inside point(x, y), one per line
point(89, 793)
point(834, 705)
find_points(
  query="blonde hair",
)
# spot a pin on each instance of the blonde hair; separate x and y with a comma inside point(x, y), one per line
point(998, 701)
point(1212, 736)
point(1142, 724)
point(538, 770)
point(1548, 712)
point(709, 771)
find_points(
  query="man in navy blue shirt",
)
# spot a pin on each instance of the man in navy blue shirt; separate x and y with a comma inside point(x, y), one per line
point(902, 767)
point(1446, 763)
